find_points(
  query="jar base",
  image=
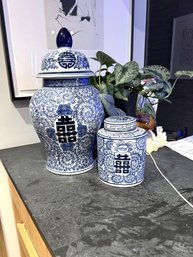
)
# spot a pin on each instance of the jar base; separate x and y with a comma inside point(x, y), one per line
point(121, 185)
point(75, 172)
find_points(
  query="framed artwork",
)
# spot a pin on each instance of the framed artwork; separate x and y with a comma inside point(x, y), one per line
point(182, 44)
point(84, 18)
point(29, 30)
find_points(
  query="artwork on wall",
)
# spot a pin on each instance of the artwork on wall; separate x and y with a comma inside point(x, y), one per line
point(182, 44)
point(83, 18)
point(29, 30)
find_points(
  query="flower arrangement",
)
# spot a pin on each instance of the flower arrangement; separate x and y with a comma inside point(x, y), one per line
point(116, 81)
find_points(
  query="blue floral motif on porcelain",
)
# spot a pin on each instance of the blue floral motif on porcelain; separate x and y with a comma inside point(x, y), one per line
point(51, 133)
point(64, 60)
point(121, 154)
point(50, 61)
point(68, 146)
point(82, 130)
point(67, 121)
point(64, 109)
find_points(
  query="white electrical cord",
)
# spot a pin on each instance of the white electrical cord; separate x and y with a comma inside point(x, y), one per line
point(191, 205)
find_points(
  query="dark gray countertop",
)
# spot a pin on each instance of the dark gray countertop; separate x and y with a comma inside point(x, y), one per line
point(82, 217)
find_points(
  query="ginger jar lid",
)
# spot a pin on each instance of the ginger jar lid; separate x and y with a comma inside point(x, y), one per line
point(121, 128)
point(64, 62)
point(120, 123)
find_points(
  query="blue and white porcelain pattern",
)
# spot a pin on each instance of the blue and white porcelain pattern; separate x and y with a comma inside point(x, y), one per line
point(64, 59)
point(66, 115)
point(66, 112)
point(121, 149)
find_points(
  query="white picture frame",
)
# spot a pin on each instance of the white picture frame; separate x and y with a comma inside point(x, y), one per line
point(25, 39)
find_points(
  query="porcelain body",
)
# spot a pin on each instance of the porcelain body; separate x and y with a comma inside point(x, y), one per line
point(121, 148)
point(66, 115)
point(66, 112)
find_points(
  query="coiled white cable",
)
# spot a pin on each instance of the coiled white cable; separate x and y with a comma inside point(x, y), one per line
point(191, 205)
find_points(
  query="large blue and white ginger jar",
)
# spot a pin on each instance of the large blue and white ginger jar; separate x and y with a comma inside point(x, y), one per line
point(121, 148)
point(66, 112)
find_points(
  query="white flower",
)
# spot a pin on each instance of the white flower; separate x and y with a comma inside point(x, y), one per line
point(155, 142)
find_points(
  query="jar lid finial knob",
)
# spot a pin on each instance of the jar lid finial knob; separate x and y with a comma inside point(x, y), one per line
point(64, 38)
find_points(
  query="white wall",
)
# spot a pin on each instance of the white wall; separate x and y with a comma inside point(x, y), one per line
point(139, 31)
point(15, 124)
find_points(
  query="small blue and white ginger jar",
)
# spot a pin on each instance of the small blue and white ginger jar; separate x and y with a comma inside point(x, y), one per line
point(121, 148)
point(67, 112)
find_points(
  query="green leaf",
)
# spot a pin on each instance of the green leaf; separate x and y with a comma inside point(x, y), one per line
point(159, 94)
point(161, 91)
point(103, 69)
point(121, 93)
point(167, 87)
point(143, 76)
point(124, 74)
point(151, 86)
point(104, 59)
point(94, 58)
point(110, 89)
point(135, 84)
point(108, 103)
point(158, 71)
point(181, 73)
point(110, 78)
point(102, 87)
